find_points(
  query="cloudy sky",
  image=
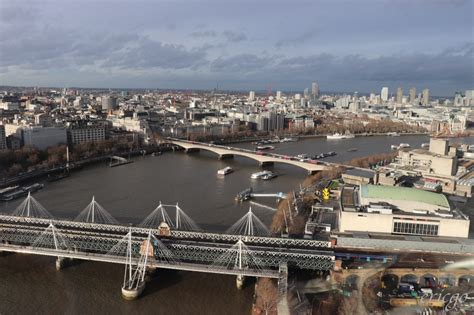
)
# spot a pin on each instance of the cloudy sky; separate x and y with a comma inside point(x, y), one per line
point(344, 45)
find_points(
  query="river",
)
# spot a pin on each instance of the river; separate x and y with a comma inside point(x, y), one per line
point(129, 193)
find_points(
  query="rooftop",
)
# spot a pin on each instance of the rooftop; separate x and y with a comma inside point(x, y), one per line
point(404, 193)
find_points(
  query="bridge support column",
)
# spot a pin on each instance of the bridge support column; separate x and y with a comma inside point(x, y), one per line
point(266, 164)
point(59, 263)
point(133, 293)
point(240, 281)
point(226, 156)
point(311, 172)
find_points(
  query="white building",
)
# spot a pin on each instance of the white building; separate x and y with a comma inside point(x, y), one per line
point(43, 137)
point(85, 133)
point(251, 95)
point(384, 94)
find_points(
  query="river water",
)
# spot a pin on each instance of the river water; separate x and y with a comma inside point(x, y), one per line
point(31, 284)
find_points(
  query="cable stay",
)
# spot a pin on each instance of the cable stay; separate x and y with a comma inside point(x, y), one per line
point(249, 225)
point(163, 253)
point(239, 257)
point(181, 220)
point(30, 207)
point(51, 238)
point(95, 213)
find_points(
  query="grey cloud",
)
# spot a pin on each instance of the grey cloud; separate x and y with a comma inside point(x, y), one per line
point(232, 36)
point(242, 63)
point(204, 34)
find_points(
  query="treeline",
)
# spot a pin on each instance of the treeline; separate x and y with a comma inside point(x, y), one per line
point(14, 162)
point(374, 160)
point(323, 126)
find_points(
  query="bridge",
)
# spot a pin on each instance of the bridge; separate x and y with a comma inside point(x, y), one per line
point(245, 250)
point(264, 158)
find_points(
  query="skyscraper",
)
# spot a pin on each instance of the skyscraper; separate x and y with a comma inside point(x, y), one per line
point(412, 95)
point(384, 94)
point(306, 93)
point(399, 95)
point(426, 97)
point(278, 95)
point(314, 89)
point(251, 95)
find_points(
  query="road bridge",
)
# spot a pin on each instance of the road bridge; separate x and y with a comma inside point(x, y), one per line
point(264, 158)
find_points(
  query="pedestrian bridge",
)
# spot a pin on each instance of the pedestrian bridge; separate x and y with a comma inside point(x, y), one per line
point(264, 158)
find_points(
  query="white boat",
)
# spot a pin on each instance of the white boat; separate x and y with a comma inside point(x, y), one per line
point(265, 147)
point(393, 134)
point(225, 170)
point(403, 145)
point(259, 174)
point(338, 136)
point(394, 147)
point(269, 176)
point(425, 145)
point(288, 140)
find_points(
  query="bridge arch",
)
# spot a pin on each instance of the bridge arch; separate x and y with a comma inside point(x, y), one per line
point(409, 278)
point(429, 280)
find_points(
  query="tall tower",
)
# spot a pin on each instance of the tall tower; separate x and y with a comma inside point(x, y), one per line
point(399, 95)
point(412, 95)
point(315, 90)
point(251, 95)
point(384, 94)
point(426, 97)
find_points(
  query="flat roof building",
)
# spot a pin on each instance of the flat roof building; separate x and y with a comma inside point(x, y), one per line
point(400, 210)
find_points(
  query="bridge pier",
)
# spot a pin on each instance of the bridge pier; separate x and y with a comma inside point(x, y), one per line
point(310, 172)
point(240, 281)
point(263, 164)
point(133, 293)
point(60, 263)
point(226, 156)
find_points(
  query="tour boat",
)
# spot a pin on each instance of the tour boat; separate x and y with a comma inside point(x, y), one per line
point(265, 147)
point(259, 174)
point(288, 140)
point(403, 145)
point(425, 145)
point(394, 147)
point(393, 134)
point(337, 136)
point(225, 171)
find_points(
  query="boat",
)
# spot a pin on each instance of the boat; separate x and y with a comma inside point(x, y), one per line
point(332, 153)
point(393, 134)
point(265, 147)
point(302, 156)
point(338, 136)
point(403, 145)
point(289, 140)
point(352, 150)
point(425, 145)
point(269, 176)
point(225, 171)
point(20, 192)
point(394, 147)
point(259, 174)
point(7, 190)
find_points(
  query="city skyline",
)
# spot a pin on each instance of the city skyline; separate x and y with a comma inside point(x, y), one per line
point(202, 44)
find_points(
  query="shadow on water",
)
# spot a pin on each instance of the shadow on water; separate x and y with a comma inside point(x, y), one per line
point(161, 279)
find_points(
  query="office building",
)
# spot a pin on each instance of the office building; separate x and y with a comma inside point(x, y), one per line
point(278, 95)
point(251, 95)
point(399, 99)
point(425, 100)
point(412, 98)
point(315, 90)
point(384, 94)
point(109, 103)
point(82, 132)
point(43, 137)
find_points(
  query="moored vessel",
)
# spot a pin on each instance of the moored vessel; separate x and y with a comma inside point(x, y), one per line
point(225, 170)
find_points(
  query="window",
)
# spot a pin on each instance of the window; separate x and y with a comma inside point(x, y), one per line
point(415, 228)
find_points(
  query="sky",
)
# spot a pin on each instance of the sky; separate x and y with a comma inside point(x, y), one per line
point(344, 45)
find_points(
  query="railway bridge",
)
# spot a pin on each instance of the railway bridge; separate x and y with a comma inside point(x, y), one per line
point(245, 250)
